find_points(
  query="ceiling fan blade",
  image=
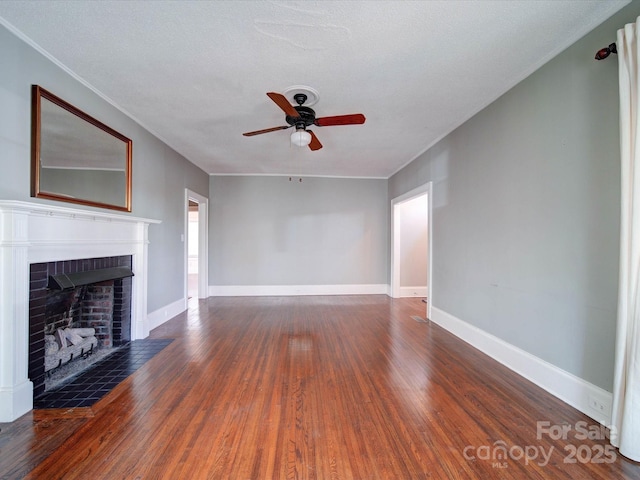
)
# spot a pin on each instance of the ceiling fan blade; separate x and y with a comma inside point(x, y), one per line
point(283, 103)
point(315, 143)
point(266, 130)
point(354, 119)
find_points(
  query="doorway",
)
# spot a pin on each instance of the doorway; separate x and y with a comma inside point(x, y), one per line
point(196, 281)
point(414, 206)
point(192, 250)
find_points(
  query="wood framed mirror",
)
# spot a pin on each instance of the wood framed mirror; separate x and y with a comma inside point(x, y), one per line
point(76, 158)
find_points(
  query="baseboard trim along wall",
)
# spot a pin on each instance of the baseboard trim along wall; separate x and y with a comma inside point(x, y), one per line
point(590, 399)
point(293, 290)
point(413, 292)
point(165, 313)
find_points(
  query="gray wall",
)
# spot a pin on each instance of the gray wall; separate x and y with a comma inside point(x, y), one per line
point(160, 175)
point(323, 231)
point(526, 211)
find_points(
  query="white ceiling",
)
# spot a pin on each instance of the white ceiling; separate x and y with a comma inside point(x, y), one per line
point(196, 73)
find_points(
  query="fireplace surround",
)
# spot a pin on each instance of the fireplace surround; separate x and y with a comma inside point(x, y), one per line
point(32, 233)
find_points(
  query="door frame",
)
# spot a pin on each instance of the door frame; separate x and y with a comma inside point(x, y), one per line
point(203, 243)
point(426, 189)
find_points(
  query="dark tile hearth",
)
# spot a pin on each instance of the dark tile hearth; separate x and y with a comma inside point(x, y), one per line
point(90, 386)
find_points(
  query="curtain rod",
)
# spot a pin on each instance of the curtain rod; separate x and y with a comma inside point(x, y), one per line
point(606, 51)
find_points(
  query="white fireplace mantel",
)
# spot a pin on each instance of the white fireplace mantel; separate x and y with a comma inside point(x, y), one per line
point(38, 233)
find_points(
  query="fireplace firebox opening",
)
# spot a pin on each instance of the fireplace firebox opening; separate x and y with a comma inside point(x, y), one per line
point(76, 307)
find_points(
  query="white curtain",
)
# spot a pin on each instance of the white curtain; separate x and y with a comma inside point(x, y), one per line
point(626, 388)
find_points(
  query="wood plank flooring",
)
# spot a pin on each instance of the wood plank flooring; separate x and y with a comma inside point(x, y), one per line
point(311, 388)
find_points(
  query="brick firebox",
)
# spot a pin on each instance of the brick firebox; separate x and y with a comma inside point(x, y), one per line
point(106, 307)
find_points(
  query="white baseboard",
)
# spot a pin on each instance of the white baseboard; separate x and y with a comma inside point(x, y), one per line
point(165, 313)
point(413, 292)
point(567, 387)
point(294, 290)
point(15, 401)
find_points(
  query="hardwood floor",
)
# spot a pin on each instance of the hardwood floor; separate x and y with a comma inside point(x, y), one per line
point(312, 388)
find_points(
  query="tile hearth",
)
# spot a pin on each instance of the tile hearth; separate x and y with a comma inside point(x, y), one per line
point(103, 376)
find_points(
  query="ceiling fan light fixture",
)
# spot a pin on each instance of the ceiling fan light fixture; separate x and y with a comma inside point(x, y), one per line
point(301, 137)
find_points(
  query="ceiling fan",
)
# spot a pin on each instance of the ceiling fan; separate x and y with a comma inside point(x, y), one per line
point(302, 117)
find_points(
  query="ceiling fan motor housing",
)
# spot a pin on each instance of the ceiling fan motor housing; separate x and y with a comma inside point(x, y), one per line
point(306, 117)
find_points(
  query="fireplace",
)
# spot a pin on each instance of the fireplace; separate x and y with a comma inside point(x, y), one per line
point(90, 294)
point(36, 233)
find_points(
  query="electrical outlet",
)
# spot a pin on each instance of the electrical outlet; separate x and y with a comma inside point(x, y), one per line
point(599, 405)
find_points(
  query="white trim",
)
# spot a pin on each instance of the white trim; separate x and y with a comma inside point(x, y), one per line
point(203, 244)
point(396, 253)
point(567, 387)
point(294, 175)
point(166, 313)
point(16, 400)
point(49, 210)
point(394, 286)
point(405, 292)
point(295, 290)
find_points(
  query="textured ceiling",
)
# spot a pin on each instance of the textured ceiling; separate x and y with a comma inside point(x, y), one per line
point(196, 73)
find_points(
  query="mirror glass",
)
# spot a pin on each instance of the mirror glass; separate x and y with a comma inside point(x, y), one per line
point(76, 158)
